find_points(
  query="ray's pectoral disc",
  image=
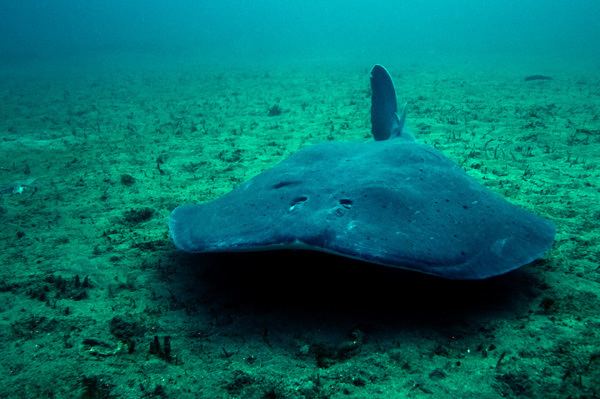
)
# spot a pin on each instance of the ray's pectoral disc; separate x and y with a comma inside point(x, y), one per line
point(392, 201)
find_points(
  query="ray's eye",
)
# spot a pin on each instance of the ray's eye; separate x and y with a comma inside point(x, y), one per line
point(346, 203)
point(285, 183)
point(298, 201)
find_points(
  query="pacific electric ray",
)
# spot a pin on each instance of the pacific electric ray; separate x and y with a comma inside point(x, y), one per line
point(392, 201)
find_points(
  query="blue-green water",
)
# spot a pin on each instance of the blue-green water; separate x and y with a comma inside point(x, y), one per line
point(348, 32)
point(113, 113)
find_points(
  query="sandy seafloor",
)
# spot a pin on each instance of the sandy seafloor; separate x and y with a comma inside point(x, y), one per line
point(90, 278)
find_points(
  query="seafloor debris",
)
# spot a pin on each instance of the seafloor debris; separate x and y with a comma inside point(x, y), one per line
point(17, 187)
point(163, 352)
point(537, 77)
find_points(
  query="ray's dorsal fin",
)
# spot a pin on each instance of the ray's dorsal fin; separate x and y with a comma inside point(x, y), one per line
point(385, 120)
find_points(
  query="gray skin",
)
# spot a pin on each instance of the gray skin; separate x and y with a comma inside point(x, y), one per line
point(393, 201)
